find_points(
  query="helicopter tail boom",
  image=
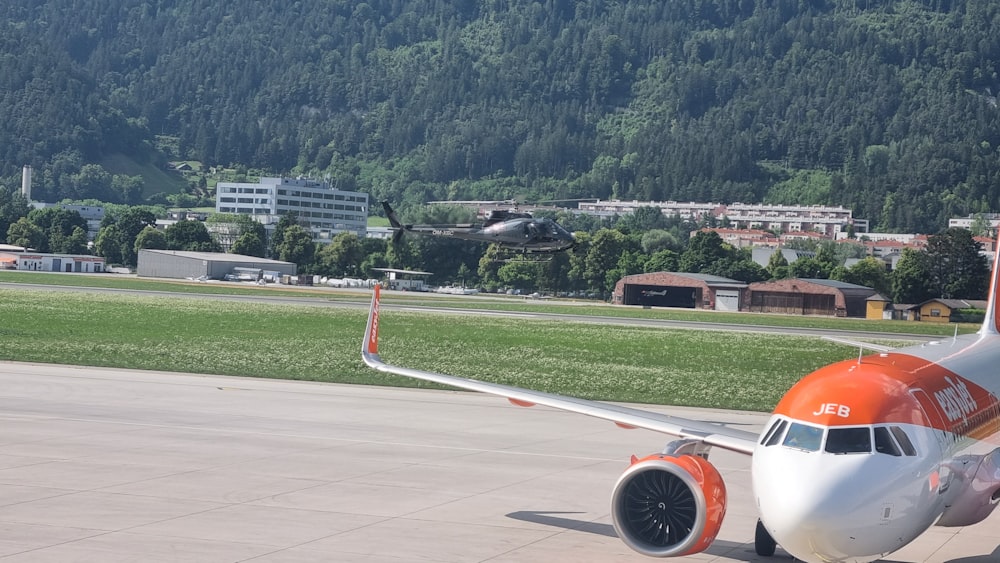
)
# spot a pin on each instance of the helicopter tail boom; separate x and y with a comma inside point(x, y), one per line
point(394, 222)
point(393, 218)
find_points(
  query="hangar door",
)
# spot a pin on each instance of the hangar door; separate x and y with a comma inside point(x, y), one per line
point(792, 303)
point(661, 296)
point(727, 300)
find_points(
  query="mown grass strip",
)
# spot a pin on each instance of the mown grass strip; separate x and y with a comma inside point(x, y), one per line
point(634, 364)
point(494, 303)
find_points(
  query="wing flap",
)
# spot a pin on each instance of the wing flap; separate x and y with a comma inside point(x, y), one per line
point(712, 434)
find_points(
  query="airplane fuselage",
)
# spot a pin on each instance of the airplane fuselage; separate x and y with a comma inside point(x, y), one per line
point(861, 457)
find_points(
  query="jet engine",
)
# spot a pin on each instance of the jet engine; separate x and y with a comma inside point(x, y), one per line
point(668, 506)
point(981, 494)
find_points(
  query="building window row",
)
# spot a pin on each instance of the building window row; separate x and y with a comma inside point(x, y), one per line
point(318, 205)
point(326, 215)
point(322, 195)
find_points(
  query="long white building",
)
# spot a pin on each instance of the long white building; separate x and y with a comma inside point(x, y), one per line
point(325, 210)
point(787, 218)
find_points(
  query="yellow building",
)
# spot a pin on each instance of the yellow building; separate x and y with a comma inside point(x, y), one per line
point(942, 310)
point(878, 308)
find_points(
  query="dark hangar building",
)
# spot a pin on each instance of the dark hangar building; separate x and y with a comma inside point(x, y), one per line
point(677, 289)
point(802, 296)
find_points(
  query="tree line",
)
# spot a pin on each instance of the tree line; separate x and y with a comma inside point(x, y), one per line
point(646, 241)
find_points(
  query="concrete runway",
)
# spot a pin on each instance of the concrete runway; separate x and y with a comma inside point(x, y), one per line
point(118, 465)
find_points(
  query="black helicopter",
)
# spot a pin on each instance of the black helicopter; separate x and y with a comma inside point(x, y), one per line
point(510, 229)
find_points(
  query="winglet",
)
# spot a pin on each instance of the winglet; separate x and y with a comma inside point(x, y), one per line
point(369, 346)
point(991, 324)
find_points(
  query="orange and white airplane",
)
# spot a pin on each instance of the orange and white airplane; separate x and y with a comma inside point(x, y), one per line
point(858, 459)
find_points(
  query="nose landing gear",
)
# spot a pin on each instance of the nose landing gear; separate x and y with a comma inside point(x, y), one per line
point(763, 543)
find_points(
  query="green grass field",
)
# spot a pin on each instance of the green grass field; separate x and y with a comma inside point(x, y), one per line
point(154, 179)
point(703, 368)
point(498, 303)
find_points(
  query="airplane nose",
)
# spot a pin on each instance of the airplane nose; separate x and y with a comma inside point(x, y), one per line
point(817, 508)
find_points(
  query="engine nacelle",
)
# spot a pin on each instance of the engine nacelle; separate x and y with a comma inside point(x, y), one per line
point(980, 496)
point(667, 506)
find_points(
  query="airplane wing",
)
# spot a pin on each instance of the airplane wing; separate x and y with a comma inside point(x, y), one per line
point(711, 434)
point(859, 344)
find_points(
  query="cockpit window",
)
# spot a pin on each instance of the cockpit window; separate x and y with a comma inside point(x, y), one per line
point(803, 437)
point(904, 441)
point(884, 444)
point(774, 434)
point(849, 440)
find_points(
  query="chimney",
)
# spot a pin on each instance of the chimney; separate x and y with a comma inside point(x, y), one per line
point(26, 183)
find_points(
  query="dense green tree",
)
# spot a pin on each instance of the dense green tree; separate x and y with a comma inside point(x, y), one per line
point(911, 279)
point(58, 224)
point(465, 275)
point(489, 267)
point(553, 273)
point(980, 226)
point(777, 265)
point(519, 274)
point(956, 267)
point(278, 236)
point(742, 269)
point(24, 232)
point(870, 272)
point(578, 262)
point(249, 244)
point(630, 262)
point(606, 248)
point(75, 243)
point(109, 244)
point(242, 233)
point(371, 261)
point(192, 236)
point(13, 206)
point(127, 189)
point(704, 249)
point(662, 261)
point(810, 267)
point(297, 246)
point(644, 218)
point(151, 238)
point(341, 258)
point(119, 229)
point(655, 240)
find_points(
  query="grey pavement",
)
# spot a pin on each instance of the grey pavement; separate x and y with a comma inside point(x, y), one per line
point(118, 465)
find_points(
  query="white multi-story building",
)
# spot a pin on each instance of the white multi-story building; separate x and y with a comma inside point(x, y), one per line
point(787, 218)
point(966, 222)
point(324, 210)
point(824, 219)
point(686, 210)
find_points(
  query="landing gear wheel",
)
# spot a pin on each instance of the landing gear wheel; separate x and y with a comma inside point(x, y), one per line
point(763, 543)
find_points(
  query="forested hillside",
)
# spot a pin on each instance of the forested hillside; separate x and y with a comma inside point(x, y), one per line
point(885, 106)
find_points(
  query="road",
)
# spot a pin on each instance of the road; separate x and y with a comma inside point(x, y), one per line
point(118, 465)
